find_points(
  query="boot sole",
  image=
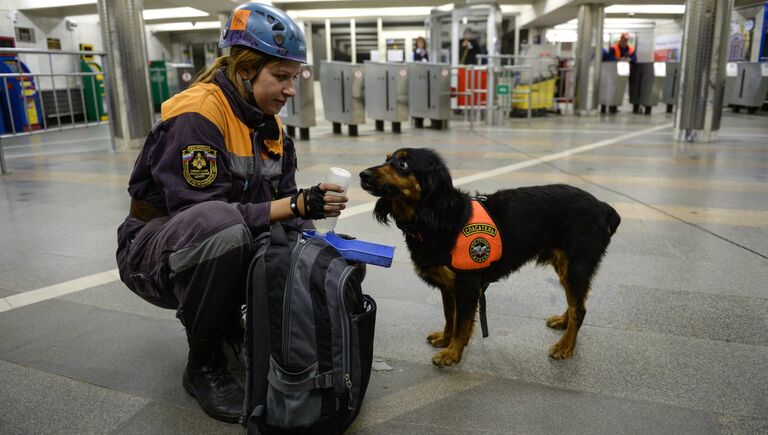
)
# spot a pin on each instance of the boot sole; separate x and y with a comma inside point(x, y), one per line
point(222, 417)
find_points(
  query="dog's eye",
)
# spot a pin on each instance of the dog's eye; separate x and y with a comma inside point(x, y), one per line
point(402, 164)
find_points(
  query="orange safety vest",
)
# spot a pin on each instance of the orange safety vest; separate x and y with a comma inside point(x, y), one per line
point(617, 50)
point(478, 244)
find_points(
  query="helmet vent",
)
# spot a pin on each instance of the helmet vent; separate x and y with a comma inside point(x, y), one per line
point(270, 19)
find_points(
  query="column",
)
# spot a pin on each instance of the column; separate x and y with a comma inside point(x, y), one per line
point(588, 57)
point(702, 71)
point(127, 74)
point(353, 39)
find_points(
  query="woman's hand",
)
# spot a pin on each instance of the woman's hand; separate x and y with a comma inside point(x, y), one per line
point(334, 202)
point(321, 201)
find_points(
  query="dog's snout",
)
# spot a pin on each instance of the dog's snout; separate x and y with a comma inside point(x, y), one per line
point(366, 175)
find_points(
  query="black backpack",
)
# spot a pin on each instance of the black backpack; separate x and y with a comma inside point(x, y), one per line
point(309, 336)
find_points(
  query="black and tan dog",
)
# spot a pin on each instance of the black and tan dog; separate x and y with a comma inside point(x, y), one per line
point(557, 224)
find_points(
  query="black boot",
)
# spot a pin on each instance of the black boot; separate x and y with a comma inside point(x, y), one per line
point(209, 381)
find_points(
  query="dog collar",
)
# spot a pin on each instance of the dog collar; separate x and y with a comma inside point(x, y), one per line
point(408, 230)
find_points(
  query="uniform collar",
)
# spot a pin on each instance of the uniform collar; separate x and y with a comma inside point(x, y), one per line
point(250, 115)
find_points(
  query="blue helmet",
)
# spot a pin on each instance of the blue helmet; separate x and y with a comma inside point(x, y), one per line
point(266, 29)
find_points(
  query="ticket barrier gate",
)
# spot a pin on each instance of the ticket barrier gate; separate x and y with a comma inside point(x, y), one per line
point(670, 88)
point(343, 91)
point(168, 79)
point(386, 93)
point(612, 85)
point(746, 85)
point(644, 86)
point(429, 94)
point(301, 107)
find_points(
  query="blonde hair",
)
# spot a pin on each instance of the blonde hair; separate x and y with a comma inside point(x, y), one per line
point(239, 59)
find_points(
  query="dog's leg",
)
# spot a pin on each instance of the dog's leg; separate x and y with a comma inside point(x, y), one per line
point(466, 307)
point(560, 321)
point(443, 278)
point(442, 338)
point(575, 278)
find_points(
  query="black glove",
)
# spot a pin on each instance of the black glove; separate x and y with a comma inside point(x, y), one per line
point(313, 203)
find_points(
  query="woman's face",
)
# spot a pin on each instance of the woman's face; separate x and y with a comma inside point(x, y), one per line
point(274, 85)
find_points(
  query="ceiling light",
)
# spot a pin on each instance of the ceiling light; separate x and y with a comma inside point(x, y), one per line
point(360, 12)
point(159, 14)
point(645, 9)
point(181, 26)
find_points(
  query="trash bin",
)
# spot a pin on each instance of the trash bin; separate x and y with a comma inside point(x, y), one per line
point(300, 109)
point(612, 85)
point(671, 85)
point(746, 85)
point(429, 93)
point(386, 93)
point(343, 91)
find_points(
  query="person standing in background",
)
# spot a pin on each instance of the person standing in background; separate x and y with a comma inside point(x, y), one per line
point(420, 51)
point(470, 48)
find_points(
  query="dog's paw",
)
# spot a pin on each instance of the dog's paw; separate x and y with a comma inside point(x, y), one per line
point(557, 322)
point(438, 339)
point(561, 351)
point(446, 357)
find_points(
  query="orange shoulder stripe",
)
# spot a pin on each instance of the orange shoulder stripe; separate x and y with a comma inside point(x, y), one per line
point(208, 100)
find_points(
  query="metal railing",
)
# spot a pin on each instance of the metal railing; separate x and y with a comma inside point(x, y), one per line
point(56, 103)
point(500, 86)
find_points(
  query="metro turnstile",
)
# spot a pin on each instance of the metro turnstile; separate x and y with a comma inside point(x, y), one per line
point(429, 89)
point(671, 86)
point(301, 107)
point(386, 93)
point(343, 91)
point(746, 85)
point(613, 85)
point(644, 86)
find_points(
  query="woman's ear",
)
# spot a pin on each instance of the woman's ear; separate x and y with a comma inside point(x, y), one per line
point(245, 75)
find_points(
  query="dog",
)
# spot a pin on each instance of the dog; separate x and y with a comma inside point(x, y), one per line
point(558, 224)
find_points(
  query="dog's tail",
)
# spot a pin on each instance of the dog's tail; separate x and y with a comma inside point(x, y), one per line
point(613, 218)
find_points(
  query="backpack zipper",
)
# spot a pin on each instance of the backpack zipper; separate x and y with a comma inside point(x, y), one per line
point(345, 334)
point(287, 296)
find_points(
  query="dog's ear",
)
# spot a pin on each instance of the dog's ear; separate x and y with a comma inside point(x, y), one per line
point(382, 210)
point(435, 180)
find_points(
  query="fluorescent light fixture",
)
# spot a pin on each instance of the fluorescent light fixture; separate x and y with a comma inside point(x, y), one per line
point(613, 24)
point(513, 9)
point(182, 26)
point(359, 12)
point(645, 9)
point(160, 14)
point(41, 4)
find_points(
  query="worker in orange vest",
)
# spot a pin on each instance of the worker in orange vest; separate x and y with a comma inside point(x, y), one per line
point(622, 50)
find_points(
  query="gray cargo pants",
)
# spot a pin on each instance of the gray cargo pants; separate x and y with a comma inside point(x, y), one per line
point(195, 262)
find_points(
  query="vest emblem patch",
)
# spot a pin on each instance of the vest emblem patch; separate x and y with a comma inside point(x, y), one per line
point(479, 250)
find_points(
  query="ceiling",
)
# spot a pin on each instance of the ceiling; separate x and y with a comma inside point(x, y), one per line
point(538, 13)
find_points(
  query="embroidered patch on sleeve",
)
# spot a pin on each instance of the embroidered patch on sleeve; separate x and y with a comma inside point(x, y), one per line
point(199, 164)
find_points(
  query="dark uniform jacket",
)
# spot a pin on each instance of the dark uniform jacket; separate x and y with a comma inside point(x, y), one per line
point(211, 145)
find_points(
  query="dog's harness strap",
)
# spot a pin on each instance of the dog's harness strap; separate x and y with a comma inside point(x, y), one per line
point(483, 318)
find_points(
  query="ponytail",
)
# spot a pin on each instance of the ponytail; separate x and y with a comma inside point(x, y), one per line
point(239, 58)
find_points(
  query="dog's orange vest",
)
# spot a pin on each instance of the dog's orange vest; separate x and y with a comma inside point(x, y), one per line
point(478, 243)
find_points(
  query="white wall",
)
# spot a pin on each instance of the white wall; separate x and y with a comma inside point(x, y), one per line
point(87, 31)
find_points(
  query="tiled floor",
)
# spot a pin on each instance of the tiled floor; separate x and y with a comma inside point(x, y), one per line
point(674, 340)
